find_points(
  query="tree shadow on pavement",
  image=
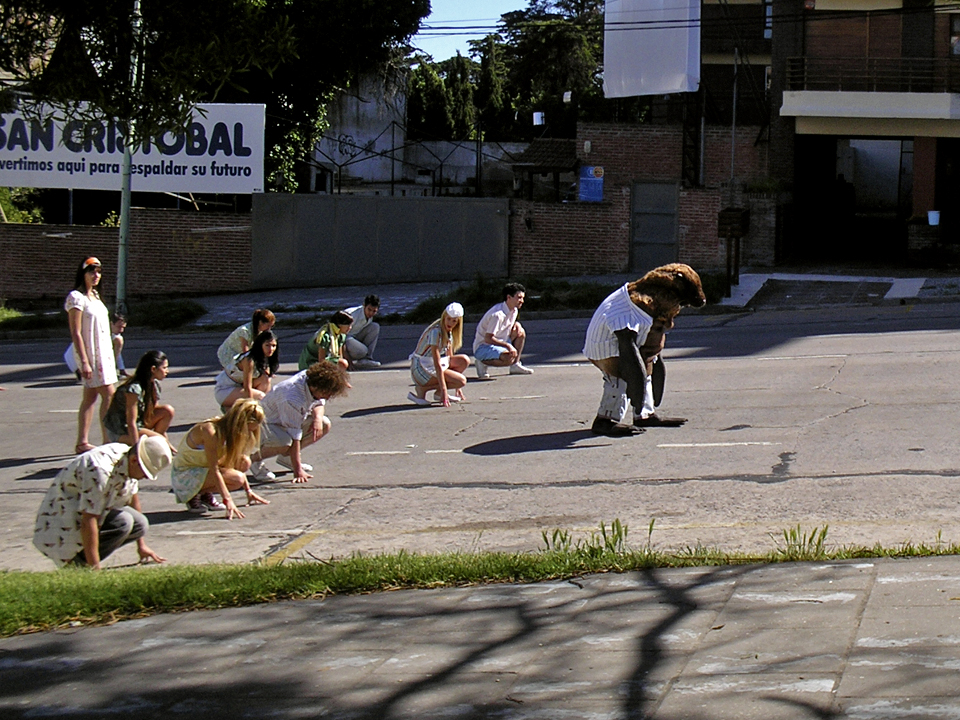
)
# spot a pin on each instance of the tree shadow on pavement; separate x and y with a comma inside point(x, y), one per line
point(603, 645)
point(564, 440)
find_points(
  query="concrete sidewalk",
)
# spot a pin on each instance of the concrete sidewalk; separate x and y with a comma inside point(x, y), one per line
point(756, 290)
point(857, 639)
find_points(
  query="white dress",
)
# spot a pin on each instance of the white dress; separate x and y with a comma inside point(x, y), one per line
point(97, 339)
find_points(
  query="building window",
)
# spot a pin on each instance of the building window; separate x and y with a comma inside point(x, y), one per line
point(955, 34)
point(768, 19)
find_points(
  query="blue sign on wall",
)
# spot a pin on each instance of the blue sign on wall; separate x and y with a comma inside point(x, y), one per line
point(591, 184)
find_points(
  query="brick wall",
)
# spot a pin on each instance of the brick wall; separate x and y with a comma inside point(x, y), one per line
point(170, 252)
point(572, 238)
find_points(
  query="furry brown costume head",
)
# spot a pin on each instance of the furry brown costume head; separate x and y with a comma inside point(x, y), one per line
point(664, 290)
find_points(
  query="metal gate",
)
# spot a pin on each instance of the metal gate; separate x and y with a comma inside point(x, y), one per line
point(653, 228)
point(316, 240)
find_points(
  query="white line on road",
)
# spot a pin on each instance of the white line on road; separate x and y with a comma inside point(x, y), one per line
point(438, 452)
point(380, 452)
point(803, 357)
point(719, 444)
point(62, 411)
point(524, 397)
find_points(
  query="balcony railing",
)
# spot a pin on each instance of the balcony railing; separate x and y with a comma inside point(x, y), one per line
point(904, 75)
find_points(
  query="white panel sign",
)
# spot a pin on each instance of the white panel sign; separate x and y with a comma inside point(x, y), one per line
point(221, 152)
point(651, 47)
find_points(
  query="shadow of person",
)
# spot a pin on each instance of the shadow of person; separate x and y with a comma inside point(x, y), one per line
point(381, 410)
point(536, 443)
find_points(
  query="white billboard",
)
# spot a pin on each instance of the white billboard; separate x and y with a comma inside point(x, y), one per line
point(220, 152)
point(651, 47)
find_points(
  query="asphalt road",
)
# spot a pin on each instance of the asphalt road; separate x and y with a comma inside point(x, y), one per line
point(839, 416)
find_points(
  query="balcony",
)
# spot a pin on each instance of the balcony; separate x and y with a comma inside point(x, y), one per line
point(888, 75)
point(874, 97)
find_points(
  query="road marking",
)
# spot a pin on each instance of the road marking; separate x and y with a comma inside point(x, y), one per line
point(438, 452)
point(62, 411)
point(287, 550)
point(238, 532)
point(524, 397)
point(380, 452)
point(718, 444)
point(803, 357)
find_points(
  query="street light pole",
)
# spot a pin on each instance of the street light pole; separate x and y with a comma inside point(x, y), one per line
point(127, 162)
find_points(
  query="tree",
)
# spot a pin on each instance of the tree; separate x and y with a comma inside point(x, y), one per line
point(76, 55)
point(494, 108)
point(428, 105)
point(551, 48)
point(460, 86)
point(291, 55)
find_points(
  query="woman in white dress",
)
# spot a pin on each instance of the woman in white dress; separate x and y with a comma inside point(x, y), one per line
point(92, 347)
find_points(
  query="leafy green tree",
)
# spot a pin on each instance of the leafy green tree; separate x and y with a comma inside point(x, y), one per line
point(76, 55)
point(460, 86)
point(551, 48)
point(494, 107)
point(428, 104)
point(291, 55)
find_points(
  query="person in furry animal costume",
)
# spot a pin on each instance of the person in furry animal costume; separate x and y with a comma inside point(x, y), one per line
point(624, 340)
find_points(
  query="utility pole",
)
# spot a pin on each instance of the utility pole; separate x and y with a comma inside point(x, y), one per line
point(127, 162)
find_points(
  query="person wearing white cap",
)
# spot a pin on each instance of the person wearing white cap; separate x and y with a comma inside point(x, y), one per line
point(436, 349)
point(92, 508)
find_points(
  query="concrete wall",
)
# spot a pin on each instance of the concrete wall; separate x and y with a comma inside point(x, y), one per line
point(312, 240)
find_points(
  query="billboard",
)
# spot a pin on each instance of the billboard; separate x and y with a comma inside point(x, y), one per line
point(651, 47)
point(221, 151)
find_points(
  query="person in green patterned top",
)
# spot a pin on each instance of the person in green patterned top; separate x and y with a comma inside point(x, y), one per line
point(330, 339)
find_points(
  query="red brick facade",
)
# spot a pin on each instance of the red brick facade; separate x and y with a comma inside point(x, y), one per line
point(594, 238)
point(170, 253)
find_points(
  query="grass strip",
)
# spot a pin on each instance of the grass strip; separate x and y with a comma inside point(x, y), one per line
point(36, 601)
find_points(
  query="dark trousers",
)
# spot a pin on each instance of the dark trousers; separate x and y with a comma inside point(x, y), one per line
point(119, 527)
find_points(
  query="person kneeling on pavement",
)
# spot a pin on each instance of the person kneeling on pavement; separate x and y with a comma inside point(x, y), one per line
point(213, 458)
point(361, 341)
point(93, 506)
point(295, 418)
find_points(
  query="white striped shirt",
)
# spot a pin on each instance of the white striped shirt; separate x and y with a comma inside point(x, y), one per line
point(289, 403)
point(617, 312)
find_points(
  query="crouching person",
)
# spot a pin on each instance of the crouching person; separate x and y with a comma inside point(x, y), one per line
point(92, 508)
point(213, 458)
point(295, 418)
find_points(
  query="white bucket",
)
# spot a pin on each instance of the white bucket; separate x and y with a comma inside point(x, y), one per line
point(933, 217)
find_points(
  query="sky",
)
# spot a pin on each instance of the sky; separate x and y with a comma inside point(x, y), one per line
point(452, 23)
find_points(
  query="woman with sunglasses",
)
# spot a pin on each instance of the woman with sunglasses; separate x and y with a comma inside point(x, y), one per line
point(92, 347)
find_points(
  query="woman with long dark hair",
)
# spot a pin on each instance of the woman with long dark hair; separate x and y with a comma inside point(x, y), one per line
point(92, 347)
point(135, 409)
point(251, 372)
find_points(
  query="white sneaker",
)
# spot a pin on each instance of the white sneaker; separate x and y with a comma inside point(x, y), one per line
point(483, 370)
point(437, 397)
point(413, 397)
point(366, 364)
point(260, 472)
point(288, 463)
point(518, 368)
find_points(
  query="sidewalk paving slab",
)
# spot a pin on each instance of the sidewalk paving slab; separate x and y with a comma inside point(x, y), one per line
point(866, 639)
